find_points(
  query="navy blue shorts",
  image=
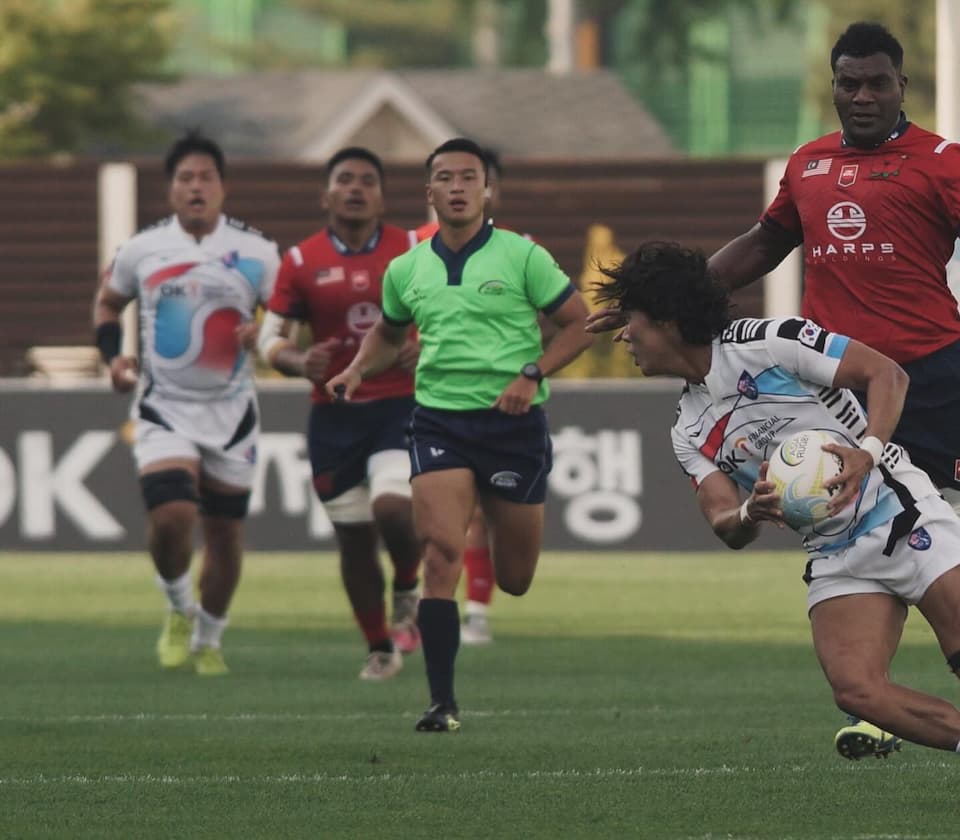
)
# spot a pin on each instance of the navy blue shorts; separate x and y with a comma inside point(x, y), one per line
point(929, 428)
point(510, 455)
point(341, 437)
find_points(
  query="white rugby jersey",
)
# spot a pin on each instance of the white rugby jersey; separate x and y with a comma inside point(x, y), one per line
point(193, 295)
point(769, 379)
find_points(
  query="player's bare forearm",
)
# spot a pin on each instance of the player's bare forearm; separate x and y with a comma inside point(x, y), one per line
point(108, 306)
point(287, 359)
point(749, 257)
point(864, 369)
point(570, 340)
point(737, 523)
point(379, 350)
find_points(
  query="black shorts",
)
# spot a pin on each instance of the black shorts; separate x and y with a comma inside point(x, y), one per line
point(929, 428)
point(510, 455)
point(341, 438)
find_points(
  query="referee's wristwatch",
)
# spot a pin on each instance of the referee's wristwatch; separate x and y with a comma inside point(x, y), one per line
point(532, 371)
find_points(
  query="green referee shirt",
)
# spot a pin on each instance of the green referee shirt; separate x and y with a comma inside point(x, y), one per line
point(476, 310)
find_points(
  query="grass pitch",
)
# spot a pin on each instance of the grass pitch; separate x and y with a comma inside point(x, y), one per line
point(650, 696)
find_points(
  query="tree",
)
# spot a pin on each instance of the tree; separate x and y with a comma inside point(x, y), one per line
point(67, 70)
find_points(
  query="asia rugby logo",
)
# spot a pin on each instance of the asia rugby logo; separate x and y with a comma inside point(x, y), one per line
point(846, 220)
point(920, 539)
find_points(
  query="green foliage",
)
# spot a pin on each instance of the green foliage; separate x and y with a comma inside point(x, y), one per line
point(400, 33)
point(67, 68)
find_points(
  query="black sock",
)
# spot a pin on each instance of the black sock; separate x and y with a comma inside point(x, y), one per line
point(439, 623)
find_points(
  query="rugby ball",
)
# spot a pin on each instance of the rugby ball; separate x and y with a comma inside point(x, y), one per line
point(798, 468)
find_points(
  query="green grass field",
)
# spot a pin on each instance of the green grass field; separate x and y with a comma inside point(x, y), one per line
point(651, 696)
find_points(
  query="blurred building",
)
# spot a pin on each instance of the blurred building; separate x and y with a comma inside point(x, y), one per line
point(306, 115)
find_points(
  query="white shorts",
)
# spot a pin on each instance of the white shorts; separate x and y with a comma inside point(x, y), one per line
point(221, 435)
point(917, 560)
point(388, 472)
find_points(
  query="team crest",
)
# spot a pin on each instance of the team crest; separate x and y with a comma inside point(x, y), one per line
point(848, 174)
point(747, 386)
point(360, 280)
point(230, 259)
point(920, 539)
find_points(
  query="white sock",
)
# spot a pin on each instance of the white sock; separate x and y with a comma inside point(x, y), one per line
point(476, 608)
point(179, 593)
point(207, 630)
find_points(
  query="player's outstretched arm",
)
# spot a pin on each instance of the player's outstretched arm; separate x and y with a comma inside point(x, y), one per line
point(378, 351)
point(749, 256)
point(864, 369)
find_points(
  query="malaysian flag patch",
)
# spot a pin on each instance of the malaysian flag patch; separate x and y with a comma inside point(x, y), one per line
point(817, 167)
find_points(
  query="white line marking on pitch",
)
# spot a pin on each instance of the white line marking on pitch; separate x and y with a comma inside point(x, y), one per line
point(281, 717)
point(404, 778)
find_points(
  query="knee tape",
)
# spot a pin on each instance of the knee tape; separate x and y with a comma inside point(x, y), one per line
point(351, 507)
point(224, 505)
point(164, 486)
point(389, 473)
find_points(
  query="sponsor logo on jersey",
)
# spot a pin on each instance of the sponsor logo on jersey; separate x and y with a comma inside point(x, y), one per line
point(492, 287)
point(846, 220)
point(920, 539)
point(747, 386)
point(817, 167)
point(505, 478)
point(880, 174)
point(335, 274)
point(362, 316)
point(848, 174)
point(360, 280)
point(766, 433)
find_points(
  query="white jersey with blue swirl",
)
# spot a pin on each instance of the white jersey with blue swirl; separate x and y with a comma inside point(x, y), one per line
point(769, 379)
point(193, 295)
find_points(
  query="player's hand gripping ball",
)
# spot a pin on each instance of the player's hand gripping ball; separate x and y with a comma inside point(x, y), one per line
point(798, 468)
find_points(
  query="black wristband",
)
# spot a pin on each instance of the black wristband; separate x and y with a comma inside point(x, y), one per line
point(108, 338)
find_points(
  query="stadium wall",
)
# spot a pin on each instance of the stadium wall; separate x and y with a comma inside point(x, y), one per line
point(67, 478)
point(49, 243)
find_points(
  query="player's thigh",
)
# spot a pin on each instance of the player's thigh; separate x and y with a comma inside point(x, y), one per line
point(940, 606)
point(516, 533)
point(856, 636)
point(169, 477)
point(443, 502)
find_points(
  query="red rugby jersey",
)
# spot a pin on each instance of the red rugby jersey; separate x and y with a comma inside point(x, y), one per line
point(877, 227)
point(338, 292)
